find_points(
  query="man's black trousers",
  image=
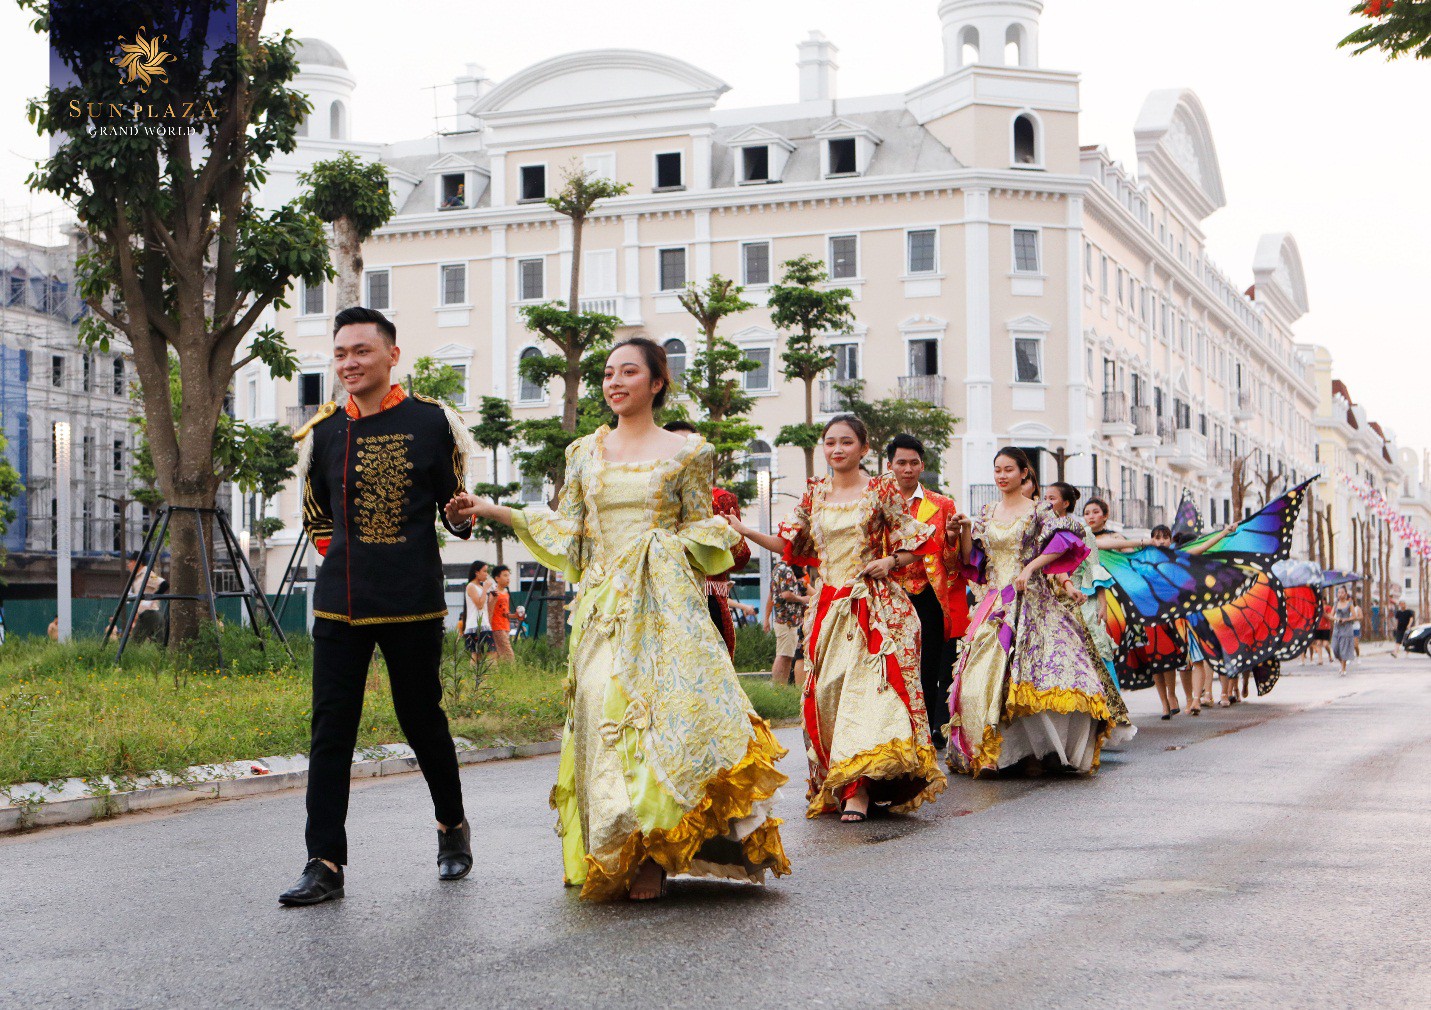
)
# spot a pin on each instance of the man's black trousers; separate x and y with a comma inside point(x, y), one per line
point(412, 651)
point(936, 660)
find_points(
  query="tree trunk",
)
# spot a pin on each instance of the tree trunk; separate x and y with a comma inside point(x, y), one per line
point(260, 568)
point(809, 419)
point(348, 260)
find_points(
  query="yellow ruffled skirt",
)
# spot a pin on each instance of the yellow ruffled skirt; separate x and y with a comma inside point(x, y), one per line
point(857, 726)
point(613, 815)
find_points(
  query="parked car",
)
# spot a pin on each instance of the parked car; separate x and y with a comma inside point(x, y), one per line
point(1417, 639)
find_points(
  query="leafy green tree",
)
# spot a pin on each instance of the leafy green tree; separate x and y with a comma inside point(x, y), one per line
point(806, 313)
point(578, 337)
point(495, 431)
point(262, 466)
point(431, 377)
point(1396, 27)
point(353, 196)
point(888, 417)
point(182, 261)
point(712, 381)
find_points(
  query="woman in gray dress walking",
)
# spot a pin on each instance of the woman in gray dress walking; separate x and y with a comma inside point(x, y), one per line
point(1343, 628)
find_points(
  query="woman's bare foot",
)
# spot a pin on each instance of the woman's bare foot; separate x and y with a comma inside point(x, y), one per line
point(857, 807)
point(649, 883)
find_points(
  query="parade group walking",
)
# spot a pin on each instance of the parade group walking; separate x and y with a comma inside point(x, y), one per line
point(665, 767)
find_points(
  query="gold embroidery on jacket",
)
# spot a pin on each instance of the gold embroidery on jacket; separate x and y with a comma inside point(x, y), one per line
point(381, 485)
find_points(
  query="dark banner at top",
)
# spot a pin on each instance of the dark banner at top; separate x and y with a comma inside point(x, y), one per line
point(150, 69)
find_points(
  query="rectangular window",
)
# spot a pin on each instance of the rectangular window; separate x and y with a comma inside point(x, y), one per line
point(534, 183)
point(755, 263)
point(921, 252)
point(462, 394)
point(758, 379)
point(844, 257)
point(1026, 250)
point(847, 362)
point(841, 156)
point(599, 272)
point(118, 455)
point(601, 166)
point(755, 164)
point(1122, 279)
point(673, 269)
point(379, 293)
point(670, 173)
point(1103, 279)
point(533, 490)
point(531, 280)
point(1027, 364)
point(924, 357)
point(454, 284)
point(57, 371)
point(310, 389)
point(454, 191)
point(119, 382)
point(312, 299)
point(87, 453)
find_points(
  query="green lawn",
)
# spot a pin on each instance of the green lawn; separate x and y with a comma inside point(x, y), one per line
point(69, 711)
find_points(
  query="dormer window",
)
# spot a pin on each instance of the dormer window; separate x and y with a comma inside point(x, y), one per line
point(669, 174)
point(840, 156)
point(755, 164)
point(454, 191)
point(848, 147)
point(1025, 142)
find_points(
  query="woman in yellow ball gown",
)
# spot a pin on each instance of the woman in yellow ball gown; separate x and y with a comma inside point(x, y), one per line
point(665, 767)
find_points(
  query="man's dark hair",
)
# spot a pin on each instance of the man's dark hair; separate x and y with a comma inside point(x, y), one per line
point(361, 314)
point(500, 569)
point(679, 425)
point(904, 440)
point(1160, 531)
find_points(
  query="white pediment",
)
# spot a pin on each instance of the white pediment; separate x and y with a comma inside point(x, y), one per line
point(311, 358)
point(456, 163)
point(842, 127)
point(1031, 431)
point(753, 334)
point(1277, 265)
point(452, 352)
point(754, 135)
point(1028, 324)
point(1175, 147)
point(918, 323)
point(601, 77)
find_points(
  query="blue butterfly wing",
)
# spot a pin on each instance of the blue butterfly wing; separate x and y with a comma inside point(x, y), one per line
point(1157, 584)
point(1265, 537)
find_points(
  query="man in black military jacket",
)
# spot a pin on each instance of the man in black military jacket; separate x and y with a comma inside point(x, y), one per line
point(374, 474)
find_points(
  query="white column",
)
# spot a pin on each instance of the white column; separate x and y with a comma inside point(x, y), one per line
point(500, 357)
point(700, 167)
point(1080, 468)
point(64, 532)
point(498, 183)
point(631, 283)
point(978, 437)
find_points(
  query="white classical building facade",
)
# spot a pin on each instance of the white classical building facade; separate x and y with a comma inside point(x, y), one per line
point(1046, 295)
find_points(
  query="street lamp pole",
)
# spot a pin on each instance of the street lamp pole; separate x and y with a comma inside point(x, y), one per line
point(64, 543)
point(762, 492)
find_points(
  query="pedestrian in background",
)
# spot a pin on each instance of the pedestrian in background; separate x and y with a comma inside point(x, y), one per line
point(1404, 616)
point(1343, 625)
point(785, 613)
point(474, 610)
point(499, 612)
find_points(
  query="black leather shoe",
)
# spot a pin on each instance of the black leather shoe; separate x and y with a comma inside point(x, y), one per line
point(454, 852)
point(317, 884)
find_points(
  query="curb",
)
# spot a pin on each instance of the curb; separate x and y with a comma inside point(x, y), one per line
point(34, 811)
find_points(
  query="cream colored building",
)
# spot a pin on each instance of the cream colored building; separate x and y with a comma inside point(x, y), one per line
point(1047, 296)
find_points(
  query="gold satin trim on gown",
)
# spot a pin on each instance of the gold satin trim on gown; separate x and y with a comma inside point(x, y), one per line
point(1024, 700)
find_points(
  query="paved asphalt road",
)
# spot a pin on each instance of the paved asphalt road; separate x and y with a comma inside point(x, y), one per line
point(1270, 855)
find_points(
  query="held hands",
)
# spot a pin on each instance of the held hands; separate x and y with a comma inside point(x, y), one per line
point(461, 507)
point(954, 525)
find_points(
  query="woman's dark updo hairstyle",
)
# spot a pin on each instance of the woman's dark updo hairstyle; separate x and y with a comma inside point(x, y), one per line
point(1102, 505)
point(655, 357)
point(1068, 493)
point(856, 425)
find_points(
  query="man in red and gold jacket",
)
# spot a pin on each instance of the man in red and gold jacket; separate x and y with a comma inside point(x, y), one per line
point(936, 588)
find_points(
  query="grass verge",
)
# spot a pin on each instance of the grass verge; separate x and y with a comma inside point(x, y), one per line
point(67, 710)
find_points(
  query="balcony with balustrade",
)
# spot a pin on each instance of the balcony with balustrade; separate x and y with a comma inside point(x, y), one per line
point(1145, 425)
point(1117, 419)
point(1135, 513)
point(628, 310)
point(926, 388)
point(1242, 404)
point(1181, 447)
point(830, 400)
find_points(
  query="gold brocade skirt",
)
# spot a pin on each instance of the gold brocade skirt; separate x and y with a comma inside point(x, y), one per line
point(859, 725)
point(614, 815)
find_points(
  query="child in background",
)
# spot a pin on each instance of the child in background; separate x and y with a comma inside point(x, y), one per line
point(499, 610)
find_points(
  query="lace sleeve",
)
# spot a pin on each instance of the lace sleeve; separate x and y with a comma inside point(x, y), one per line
point(557, 537)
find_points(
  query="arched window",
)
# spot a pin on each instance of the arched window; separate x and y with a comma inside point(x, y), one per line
point(337, 121)
point(676, 362)
point(968, 46)
point(1014, 46)
point(527, 390)
point(1025, 140)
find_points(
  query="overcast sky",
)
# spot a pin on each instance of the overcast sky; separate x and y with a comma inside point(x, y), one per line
point(1311, 140)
